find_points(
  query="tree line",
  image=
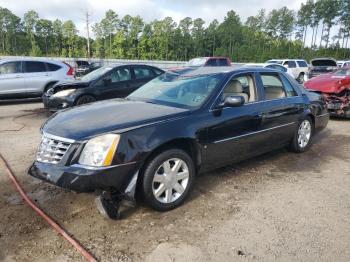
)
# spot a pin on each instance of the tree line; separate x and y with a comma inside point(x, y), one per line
point(318, 28)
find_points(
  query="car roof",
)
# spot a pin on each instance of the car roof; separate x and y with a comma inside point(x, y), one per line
point(323, 58)
point(193, 71)
point(30, 59)
point(286, 59)
point(261, 64)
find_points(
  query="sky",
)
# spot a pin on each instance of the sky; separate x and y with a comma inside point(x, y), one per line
point(147, 9)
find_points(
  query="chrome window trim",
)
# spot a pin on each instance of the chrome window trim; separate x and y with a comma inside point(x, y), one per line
point(63, 139)
point(253, 133)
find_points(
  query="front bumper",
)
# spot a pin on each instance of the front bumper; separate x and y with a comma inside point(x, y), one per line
point(81, 179)
point(56, 103)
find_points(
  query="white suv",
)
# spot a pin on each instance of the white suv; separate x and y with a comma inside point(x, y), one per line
point(298, 68)
point(31, 78)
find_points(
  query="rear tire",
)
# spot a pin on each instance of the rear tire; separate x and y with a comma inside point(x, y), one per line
point(303, 136)
point(48, 86)
point(167, 179)
point(85, 99)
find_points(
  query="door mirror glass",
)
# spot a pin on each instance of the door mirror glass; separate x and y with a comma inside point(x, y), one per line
point(233, 101)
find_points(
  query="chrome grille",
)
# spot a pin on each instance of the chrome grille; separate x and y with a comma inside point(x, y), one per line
point(52, 149)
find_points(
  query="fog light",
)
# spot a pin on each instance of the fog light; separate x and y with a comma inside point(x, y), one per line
point(64, 105)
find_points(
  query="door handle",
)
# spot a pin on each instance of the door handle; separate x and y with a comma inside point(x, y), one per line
point(260, 116)
point(18, 76)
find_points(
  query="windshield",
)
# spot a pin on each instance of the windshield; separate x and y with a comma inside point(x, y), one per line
point(96, 74)
point(176, 90)
point(197, 62)
point(343, 72)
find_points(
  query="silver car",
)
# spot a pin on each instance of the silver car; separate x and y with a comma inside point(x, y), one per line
point(31, 78)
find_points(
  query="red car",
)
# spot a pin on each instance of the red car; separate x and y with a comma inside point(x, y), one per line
point(335, 88)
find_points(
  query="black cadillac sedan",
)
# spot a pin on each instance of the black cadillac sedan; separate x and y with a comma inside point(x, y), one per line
point(104, 83)
point(178, 125)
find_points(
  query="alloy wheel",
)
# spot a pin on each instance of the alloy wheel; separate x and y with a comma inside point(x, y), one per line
point(304, 133)
point(170, 180)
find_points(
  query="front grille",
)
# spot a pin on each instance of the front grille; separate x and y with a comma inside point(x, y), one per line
point(52, 149)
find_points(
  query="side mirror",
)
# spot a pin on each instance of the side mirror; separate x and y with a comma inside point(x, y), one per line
point(233, 101)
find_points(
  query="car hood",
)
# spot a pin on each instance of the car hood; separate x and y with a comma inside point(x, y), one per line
point(328, 83)
point(73, 84)
point(117, 115)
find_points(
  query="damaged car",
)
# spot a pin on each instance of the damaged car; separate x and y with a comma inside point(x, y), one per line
point(335, 88)
point(104, 83)
point(155, 142)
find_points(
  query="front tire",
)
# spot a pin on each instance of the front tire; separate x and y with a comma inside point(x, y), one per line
point(168, 179)
point(303, 136)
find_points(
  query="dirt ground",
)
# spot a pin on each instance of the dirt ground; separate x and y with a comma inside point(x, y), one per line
point(277, 207)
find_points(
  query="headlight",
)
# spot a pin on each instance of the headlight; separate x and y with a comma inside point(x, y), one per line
point(99, 151)
point(66, 92)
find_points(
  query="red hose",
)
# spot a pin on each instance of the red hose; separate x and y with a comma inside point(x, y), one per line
point(58, 229)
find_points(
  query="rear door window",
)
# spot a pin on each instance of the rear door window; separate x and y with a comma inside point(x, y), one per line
point(222, 62)
point(53, 67)
point(302, 63)
point(288, 88)
point(292, 64)
point(143, 73)
point(157, 71)
point(273, 86)
point(34, 67)
point(11, 68)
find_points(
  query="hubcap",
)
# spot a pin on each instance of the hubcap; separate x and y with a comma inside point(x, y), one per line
point(170, 180)
point(304, 133)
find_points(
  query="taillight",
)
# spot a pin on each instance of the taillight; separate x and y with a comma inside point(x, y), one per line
point(70, 71)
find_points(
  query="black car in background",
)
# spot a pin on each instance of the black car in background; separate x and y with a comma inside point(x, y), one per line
point(319, 66)
point(182, 123)
point(104, 83)
point(81, 67)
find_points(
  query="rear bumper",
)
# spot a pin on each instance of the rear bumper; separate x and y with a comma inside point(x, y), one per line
point(81, 179)
point(321, 121)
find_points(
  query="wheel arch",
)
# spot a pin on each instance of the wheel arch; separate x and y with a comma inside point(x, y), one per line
point(47, 85)
point(189, 145)
point(84, 94)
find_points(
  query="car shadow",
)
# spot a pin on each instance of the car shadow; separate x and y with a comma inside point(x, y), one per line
point(19, 101)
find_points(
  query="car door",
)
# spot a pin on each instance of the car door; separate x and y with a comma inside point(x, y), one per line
point(36, 76)
point(234, 132)
point(11, 78)
point(281, 108)
point(115, 84)
point(141, 75)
